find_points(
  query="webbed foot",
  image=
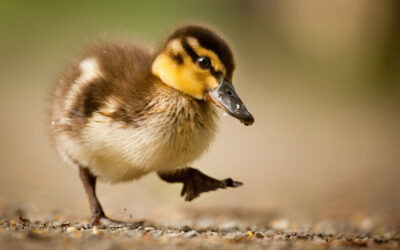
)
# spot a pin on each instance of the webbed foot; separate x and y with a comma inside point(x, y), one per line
point(195, 182)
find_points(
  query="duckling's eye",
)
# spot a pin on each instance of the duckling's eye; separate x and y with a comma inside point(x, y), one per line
point(204, 62)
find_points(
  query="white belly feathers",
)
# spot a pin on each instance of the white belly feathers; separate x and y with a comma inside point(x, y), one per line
point(118, 153)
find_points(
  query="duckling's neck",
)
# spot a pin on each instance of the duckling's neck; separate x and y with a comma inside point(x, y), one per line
point(181, 110)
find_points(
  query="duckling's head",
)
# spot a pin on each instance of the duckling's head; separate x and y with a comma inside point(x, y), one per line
point(199, 63)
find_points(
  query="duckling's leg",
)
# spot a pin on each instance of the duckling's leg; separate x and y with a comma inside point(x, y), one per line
point(195, 182)
point(89, 182)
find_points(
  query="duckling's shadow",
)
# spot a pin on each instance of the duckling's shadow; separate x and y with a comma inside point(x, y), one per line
point(119, 223)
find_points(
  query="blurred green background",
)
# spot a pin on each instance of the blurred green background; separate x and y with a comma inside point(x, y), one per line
point(322, 79)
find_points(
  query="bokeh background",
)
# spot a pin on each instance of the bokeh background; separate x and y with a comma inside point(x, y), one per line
point(322, 79)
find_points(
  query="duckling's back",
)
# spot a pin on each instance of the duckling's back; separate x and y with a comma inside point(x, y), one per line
point(97, 73)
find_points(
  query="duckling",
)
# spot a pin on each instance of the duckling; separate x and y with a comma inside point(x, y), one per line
point(121, 111)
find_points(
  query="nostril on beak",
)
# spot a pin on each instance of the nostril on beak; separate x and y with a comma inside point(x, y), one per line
point(229, 92)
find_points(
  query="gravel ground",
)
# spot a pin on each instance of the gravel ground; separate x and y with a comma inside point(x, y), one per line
point(215, 228)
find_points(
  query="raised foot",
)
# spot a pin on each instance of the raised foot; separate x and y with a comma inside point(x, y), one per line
point(197, 183)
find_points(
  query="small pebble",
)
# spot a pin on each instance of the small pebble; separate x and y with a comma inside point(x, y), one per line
point(191, 234)
point(211, 233)
point(259, 235)
point(157, 234)
point(318, 241)
point(72, 229)
point(186, 229)
point(173, 235)
point(230, 236)
point(95, 231)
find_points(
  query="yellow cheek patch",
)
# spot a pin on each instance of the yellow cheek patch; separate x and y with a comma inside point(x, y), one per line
point(178, 76)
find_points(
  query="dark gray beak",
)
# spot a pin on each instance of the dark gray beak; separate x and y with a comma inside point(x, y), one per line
point(225, 97)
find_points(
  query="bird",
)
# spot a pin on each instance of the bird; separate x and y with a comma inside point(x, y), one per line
point(120, 111)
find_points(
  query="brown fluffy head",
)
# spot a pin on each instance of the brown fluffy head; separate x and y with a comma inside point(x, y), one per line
point(181, 62)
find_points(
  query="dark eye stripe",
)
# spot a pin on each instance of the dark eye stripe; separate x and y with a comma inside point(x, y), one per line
point(177, 58)
point(190, 50)
point(216, 74)
point(195, 56)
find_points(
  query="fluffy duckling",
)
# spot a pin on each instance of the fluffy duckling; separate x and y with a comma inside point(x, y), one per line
point(121, 111)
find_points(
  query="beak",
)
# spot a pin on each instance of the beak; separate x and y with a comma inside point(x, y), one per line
point(226, 98)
